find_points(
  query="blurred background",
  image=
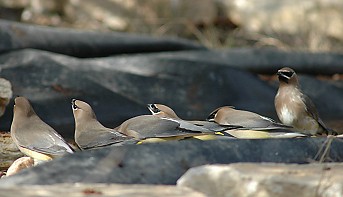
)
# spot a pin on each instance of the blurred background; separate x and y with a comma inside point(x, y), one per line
point(307, 25)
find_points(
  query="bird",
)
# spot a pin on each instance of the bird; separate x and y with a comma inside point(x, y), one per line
point(34, 137)
point(158, 127)
point(167, 112)
point(90, 133)
point(150, 128)
point(253, 125)
point(228, 115)
point(294, 108)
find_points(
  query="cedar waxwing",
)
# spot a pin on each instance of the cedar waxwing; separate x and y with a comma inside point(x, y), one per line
point(150, 128)
point(154, 128)
point(90, 133)
point(252, 124)
point(34, 137)
point(166, 112)
point(248, 120)
point(295, 108)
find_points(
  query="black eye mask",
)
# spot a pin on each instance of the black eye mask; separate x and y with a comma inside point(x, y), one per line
point(285, 75)
point(153, 108)
point(73, 105)
point(289, 74)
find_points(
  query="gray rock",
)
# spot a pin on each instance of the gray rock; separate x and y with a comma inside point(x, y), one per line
point(82, 190)
point(274, 180)
point(164, 163)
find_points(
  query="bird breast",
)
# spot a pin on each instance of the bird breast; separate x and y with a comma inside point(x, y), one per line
point(289, 104)
point(287, 116)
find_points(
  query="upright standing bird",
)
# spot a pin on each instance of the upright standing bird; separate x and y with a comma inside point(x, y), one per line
point(90, 133)
point(296, 109)
point(34, 137)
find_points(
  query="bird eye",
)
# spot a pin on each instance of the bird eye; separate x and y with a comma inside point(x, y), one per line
point(74, 106)
point(288, 73)
point(153, 108)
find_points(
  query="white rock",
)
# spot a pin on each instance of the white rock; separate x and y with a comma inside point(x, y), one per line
point(20, 164)
point(274, 180)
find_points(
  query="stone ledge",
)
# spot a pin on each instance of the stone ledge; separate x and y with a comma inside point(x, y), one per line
point(98, 190)
point(275, 180)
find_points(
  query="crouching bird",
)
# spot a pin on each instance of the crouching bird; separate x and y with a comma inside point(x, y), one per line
point(253, 125)
point(90, 133)
point(34, 137)
point(296, 109)
point(165, 111)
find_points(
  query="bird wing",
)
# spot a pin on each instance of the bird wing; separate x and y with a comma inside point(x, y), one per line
point(40, 137)
point(51, 150)
point(102, 139)
point(149, 126)
point(250, 120)
point(312, 111)
point(310, 107)
point(188, 126)
point(213, 126)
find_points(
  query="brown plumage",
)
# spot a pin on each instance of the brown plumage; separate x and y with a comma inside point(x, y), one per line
point(90, 133)
point(165, 125)
point(228, 130)
point(150, 126)
point(162, 111)
point(248, 120)
point(166, 112)
point(33, 136)
point(296, 109)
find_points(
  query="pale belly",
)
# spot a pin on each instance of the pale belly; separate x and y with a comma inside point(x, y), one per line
point(287, 116)
point(300, 121)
